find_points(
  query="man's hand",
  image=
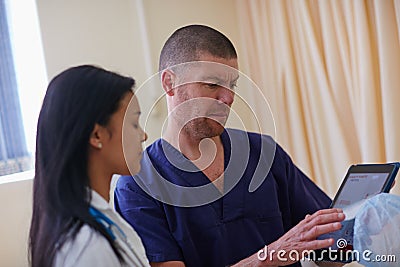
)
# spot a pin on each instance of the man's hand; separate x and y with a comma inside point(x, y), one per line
point(300, 238)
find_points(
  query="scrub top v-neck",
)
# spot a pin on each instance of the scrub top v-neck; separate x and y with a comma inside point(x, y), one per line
point(234, 225)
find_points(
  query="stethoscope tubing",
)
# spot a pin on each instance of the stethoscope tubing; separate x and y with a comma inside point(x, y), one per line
point(119, 237)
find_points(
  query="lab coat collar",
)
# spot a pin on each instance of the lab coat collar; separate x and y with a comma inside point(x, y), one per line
point(98, 201)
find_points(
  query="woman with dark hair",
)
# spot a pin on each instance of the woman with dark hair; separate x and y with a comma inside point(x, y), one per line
point(87, 126)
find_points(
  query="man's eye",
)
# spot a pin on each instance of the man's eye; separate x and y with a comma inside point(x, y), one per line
point(135, 126)
point(212, 85)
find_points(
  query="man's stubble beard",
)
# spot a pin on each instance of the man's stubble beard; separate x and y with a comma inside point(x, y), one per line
point(201, 128)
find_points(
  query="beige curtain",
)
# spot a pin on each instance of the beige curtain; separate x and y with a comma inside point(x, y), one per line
point(331, 73)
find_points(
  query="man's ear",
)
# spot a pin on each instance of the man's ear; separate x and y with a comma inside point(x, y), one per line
point(96, 137)
point(167, 81)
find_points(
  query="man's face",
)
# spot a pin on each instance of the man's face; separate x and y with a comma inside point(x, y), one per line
point(203, 95)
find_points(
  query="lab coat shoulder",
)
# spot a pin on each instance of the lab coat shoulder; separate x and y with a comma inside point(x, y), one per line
point(88, 248)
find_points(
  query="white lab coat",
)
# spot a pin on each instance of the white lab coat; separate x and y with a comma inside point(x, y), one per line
point(90, 248)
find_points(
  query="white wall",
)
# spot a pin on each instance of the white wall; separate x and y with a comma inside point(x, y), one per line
point(16, 211)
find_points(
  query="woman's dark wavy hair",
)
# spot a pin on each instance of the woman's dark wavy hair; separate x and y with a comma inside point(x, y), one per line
point(75, 101)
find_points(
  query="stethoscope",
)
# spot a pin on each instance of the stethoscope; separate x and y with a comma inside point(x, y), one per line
point(115, 232)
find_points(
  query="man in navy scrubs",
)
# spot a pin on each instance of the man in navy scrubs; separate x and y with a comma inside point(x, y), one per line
point(211, 196)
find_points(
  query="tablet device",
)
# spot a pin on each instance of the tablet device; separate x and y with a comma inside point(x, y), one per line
point(361, 182)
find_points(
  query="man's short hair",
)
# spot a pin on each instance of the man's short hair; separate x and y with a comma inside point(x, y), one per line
point(188, 43)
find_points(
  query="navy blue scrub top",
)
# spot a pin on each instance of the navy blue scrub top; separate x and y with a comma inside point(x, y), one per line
point(229, 229)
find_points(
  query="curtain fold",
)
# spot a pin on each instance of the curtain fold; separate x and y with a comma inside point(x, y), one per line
point(330, 70)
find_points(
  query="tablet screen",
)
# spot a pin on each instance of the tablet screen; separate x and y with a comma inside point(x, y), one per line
point(363, 181)
point(360, 186)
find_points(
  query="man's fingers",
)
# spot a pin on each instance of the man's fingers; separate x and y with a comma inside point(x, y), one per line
point(322, 212)
point(326, 211)
point(303, 235)
point(318, 230)
point(323, 219)
point(317, 244)
point(321, 222)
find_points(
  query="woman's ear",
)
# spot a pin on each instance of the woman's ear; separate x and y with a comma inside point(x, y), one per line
point(96, 137)
point(167, 81)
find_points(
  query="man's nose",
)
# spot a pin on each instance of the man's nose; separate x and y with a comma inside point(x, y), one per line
point(144, 137)
point(226, 96)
